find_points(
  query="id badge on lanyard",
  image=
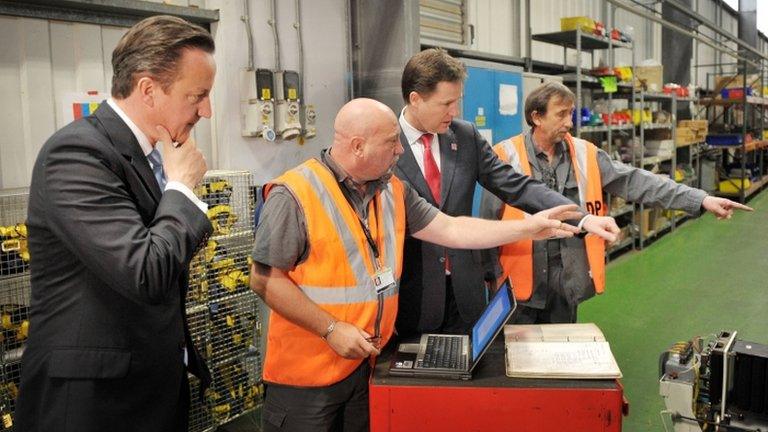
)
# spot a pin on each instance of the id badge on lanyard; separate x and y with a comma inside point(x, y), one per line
point(383, 279)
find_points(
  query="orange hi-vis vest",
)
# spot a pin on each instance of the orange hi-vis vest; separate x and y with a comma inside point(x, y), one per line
point(337, 274)
point(516, 259)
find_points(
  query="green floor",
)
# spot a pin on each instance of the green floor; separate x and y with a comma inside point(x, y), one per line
point(707, 276)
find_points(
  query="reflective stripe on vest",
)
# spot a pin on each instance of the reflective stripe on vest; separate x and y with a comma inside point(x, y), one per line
point(337, 274)
point(516, 259)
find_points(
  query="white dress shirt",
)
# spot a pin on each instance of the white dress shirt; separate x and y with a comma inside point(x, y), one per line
point(413, 136)
point(147, 148)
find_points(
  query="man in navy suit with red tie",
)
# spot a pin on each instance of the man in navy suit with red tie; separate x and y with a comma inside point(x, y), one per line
point(442, 289)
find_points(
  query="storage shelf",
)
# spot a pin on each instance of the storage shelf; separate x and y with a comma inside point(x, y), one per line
point(750, 146)
point(621, 211)
point(588, 42)
point(620, 245)
point(588, 129)
point(752, 100)
point(756, 186)
point(651, 160)
point(688, 144)
point(658, 231)
point(653, 96)
point(656, 125)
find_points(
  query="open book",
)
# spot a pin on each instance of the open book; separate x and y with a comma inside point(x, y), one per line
point(558, 351)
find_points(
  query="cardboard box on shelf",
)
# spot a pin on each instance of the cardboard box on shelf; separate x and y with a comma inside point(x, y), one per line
point(624, 233)
point(696, 125)
point(617, 202)
point(686, 136)
point(649, 77)
point(736, 81)
point(644, 220)
point(661, 148)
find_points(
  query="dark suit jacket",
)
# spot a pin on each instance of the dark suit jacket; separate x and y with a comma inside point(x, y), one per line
point(465, 158)
point(110, 257)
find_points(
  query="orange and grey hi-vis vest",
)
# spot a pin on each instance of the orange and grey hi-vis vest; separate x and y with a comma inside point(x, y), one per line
point(516, 259)
point(337, 274)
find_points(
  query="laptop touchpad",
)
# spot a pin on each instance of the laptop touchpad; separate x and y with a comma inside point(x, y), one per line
point(409, 348)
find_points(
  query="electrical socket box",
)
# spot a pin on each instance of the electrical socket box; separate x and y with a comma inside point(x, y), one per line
point(308, 118)
point(256, 104)
point(288, 125)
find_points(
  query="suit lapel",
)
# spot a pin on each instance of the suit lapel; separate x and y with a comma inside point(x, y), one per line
point(448, 154)
point(409, 169)
point(125, 142)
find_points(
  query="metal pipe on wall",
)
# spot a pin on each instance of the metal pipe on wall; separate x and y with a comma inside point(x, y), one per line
point(248, 32)
point(273, 22)
point(300, 43)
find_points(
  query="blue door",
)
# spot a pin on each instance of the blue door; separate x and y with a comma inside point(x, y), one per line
point(493, 102)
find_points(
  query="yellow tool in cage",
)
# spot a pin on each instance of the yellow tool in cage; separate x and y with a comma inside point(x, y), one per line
point(233, 279)
point(14, 249)
point(222, 218)
point(214, 191)
point(12, 315)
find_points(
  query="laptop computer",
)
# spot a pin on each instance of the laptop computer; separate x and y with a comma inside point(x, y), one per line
point(455, 356)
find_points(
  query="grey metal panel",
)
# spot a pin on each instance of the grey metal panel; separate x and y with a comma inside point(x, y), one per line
point(37, 107)
point(442, 20)
point(12, 150)
point(385, 36)
point(110, 12)
point(496, 25)
point(109, 36)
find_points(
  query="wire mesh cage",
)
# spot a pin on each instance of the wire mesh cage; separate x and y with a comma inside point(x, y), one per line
point(236, 388)
point(230, 201)
point(14, 297)
point(200, 419)
point(14, 254)
point(221, 309)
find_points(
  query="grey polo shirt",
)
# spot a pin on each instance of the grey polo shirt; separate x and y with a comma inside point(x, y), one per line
point(281, 237)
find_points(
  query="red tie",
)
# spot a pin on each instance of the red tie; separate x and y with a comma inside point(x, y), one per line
point(431, 172)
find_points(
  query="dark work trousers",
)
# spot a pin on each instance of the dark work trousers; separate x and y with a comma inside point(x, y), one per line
point(452, 321)
point(341, 407)
point(557, 310)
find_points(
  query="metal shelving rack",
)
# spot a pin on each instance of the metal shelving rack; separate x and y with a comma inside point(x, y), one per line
point(753, 123)
point(585, 42)
point(642, 98)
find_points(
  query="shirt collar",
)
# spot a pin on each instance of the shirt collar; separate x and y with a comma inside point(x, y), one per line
point(532, 149)
point(411, 133)
point(341, 175)
point(141, 137)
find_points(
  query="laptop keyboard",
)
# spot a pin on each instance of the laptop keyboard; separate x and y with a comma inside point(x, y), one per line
point(443, 352)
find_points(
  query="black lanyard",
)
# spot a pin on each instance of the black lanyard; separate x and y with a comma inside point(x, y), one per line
point(367, 232)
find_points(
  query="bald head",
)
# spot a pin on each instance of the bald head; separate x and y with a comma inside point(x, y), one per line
point(364, 128)
point(362, 117)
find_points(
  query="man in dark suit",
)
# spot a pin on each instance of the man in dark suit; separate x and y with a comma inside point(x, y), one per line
point(112, 229)
point(443, 290)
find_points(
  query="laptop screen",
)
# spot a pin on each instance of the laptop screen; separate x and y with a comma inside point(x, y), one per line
point(494, 316)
